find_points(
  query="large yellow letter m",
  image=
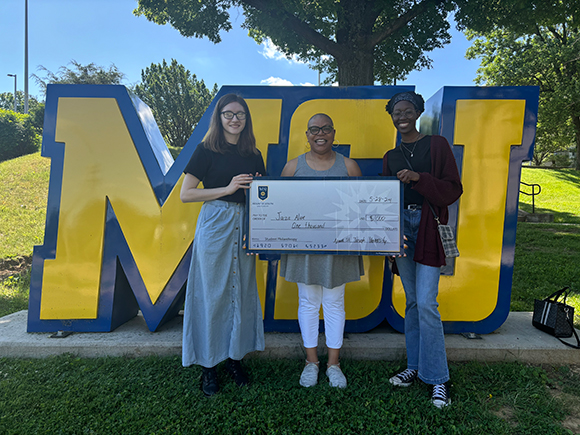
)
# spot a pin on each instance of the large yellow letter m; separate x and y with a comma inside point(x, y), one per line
point(117, 235)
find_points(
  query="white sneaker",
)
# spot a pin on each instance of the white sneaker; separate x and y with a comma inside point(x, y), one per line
point(335, 376)
point(309, 376)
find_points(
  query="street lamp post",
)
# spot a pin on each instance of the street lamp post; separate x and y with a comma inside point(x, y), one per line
point(25, 56)
point(14, 75)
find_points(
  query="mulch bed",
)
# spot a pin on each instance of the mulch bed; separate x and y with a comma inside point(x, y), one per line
point(14, 266)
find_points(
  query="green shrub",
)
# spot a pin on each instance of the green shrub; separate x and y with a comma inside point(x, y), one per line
point(17, 135)
point(36, 113)
point(561, 160)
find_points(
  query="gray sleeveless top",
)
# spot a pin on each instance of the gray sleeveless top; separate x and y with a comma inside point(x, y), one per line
point(326, 270)
point(338, 169)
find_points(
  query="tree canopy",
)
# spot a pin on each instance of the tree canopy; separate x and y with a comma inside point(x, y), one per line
point(541, 49)
point(176, 98)
point(90, 74)
point(7, 101)
point(367, 40)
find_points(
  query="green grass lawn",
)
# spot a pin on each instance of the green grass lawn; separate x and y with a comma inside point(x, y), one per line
point(23, 196)
point(69, 395)
point(14, 293)
point(547, 258)
point(560, 193)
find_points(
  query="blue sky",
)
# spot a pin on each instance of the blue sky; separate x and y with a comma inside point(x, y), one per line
point(106, 32)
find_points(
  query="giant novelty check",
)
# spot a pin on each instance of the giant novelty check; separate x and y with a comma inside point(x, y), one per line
point(325, 216)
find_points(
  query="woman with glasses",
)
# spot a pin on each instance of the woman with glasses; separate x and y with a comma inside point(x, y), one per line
point(321, 279)
point(223, 316)
point(426, 166)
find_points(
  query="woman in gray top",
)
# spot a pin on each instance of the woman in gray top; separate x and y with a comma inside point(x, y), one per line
point(321, 279)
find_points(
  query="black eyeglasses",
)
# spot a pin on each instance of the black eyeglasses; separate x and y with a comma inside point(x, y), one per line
point(230, 115)
point(408, 113)
point(327, 129)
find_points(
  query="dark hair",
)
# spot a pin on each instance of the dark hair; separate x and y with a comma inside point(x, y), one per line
point(410, 96)
point(215, 139)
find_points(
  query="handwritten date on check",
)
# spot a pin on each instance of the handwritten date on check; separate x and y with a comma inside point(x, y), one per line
point(333, 215)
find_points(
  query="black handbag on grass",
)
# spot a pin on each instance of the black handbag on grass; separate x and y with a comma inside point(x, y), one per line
point(556, 318)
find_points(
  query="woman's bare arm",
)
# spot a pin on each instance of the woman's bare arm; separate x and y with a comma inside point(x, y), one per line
point(191, 193)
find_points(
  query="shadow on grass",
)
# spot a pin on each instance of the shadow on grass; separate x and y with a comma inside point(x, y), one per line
point(571, 176)
point(559, 216)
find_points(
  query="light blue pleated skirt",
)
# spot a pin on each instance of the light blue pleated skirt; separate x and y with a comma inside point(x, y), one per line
point(223, 315)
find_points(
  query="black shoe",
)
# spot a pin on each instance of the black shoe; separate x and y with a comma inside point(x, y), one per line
point(405, 378)
point(209, 381)
point(236, 371)
point(440, 397)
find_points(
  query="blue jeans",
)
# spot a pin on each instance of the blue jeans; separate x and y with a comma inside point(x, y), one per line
point(423, 328)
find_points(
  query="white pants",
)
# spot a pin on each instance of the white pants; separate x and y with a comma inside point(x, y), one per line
point(310, 297)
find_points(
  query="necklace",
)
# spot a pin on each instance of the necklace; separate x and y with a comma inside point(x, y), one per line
point(414, 145)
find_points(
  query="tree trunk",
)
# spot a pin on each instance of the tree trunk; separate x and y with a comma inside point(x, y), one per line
point(356, 69)
point(576, 122)
point(355, 60)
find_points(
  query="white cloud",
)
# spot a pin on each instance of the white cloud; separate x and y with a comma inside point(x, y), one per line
point(276, 81)
point(271, 51)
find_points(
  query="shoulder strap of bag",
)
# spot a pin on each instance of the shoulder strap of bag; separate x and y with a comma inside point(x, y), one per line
point(577, 345)
point(556, 295)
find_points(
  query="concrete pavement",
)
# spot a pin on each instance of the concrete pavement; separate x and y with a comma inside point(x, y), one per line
point(515, 340)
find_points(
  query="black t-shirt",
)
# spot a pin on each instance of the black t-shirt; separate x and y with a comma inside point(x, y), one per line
point(421, 162)
point(217, 170)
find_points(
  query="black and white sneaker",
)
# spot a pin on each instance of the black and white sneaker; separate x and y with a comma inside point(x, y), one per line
point(440, 397)
point(404, 379)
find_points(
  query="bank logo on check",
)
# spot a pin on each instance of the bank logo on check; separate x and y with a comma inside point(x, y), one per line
point(263, 192)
